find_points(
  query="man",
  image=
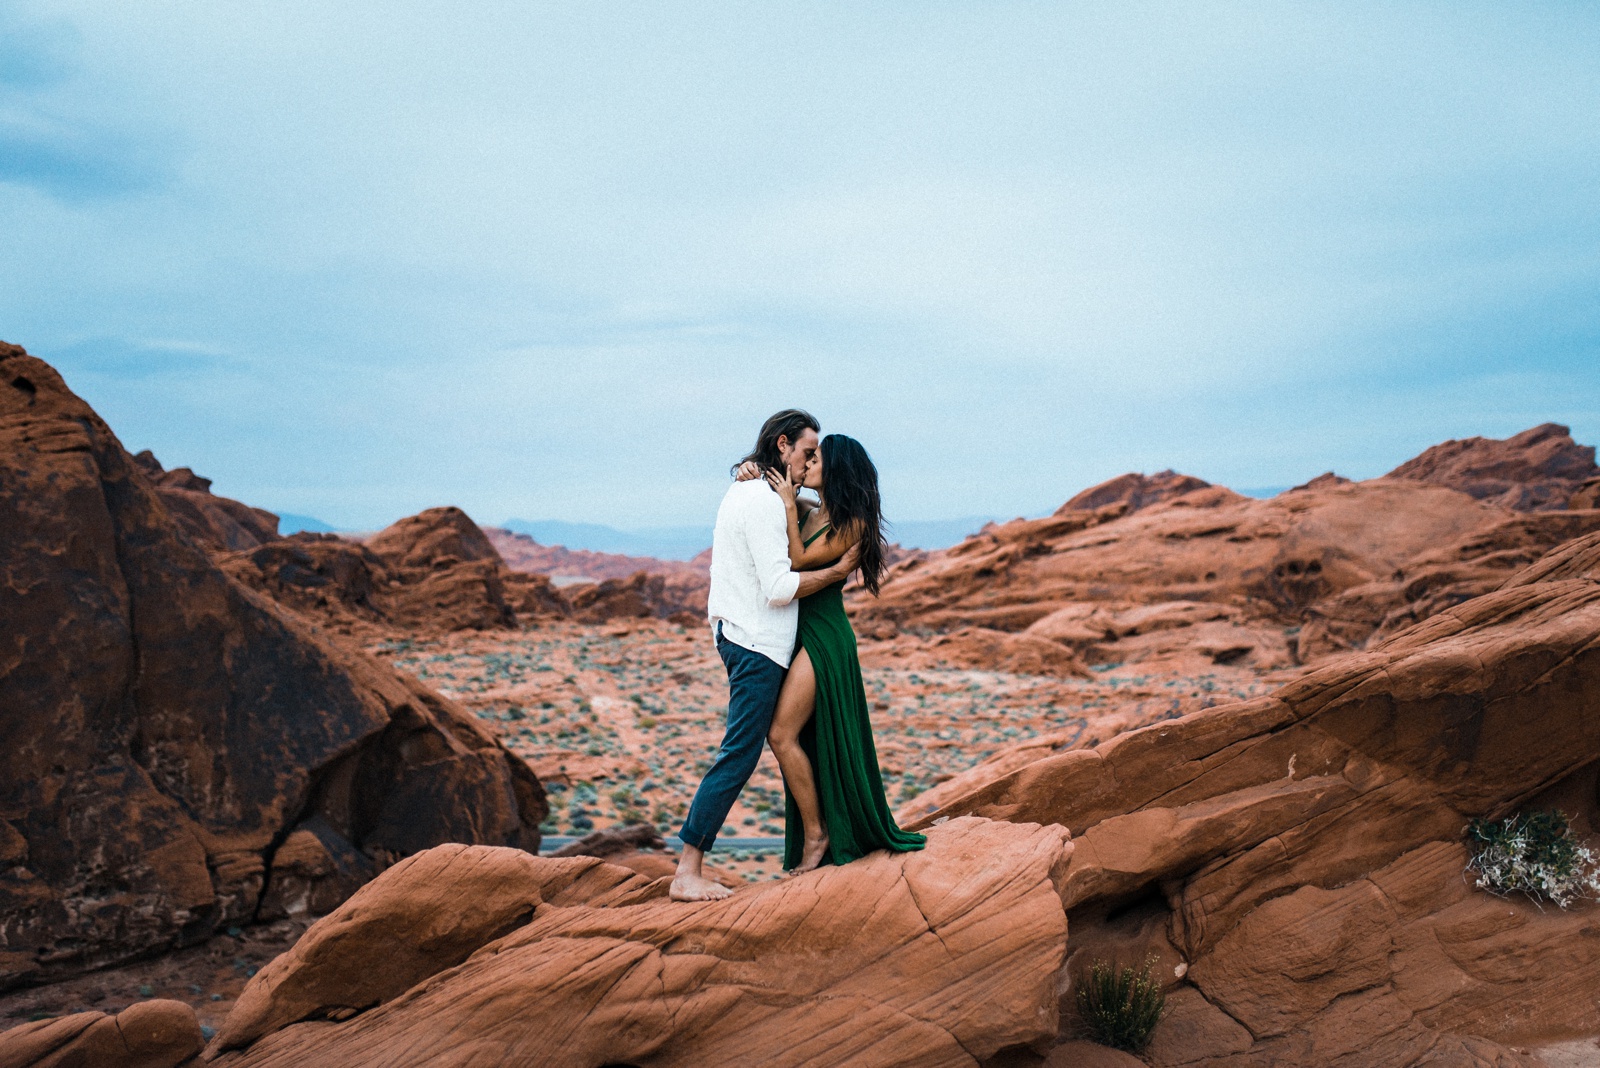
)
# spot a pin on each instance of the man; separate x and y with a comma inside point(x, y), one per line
point(753, 613)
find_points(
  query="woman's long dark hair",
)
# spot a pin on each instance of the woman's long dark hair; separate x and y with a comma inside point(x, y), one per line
point(850, 492)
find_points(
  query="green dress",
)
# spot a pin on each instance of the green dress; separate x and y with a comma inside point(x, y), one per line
point(838, 739)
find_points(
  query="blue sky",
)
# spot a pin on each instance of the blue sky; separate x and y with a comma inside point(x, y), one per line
point(558, 260)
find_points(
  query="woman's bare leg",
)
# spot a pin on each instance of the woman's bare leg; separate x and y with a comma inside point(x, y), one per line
point(796, 701)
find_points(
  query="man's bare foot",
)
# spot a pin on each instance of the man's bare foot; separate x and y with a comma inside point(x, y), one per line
point(811, 856)
point(687, 887)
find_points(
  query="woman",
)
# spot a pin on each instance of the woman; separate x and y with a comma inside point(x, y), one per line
point(820, 733)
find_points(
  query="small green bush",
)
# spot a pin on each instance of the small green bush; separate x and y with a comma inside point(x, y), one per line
point(1120, 1006)
point(1534, 853)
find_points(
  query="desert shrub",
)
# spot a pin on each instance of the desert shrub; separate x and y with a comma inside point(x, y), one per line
point(1536, 854)
point(1119, 1005)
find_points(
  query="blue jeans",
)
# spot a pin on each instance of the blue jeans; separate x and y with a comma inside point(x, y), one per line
point(753, 684)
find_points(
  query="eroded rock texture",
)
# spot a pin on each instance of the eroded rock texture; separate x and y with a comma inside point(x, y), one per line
point(434, 571)
point(151, 1034)
point(165, 733)
point(941, 957)
point(1534, 471)
point(217, 524)
point(1169, 568)
point(1298, 859)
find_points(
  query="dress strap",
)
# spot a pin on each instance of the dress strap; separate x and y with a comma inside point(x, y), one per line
point(819, 532)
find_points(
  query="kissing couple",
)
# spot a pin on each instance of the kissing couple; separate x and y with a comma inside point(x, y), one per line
point(776, 607)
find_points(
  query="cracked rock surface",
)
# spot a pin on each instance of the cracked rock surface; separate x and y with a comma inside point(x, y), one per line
point(940, 957)
point(1295, 863)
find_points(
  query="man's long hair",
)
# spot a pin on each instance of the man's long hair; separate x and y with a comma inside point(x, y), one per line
point(850, 493)
point(789, 423)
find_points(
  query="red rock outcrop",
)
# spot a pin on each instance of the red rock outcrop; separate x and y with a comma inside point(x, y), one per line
point(1435, 580)
point(217, 524)
point(168, 732)
point(1587, 495)
point(1295, 863)
point(151, 1034)
point(1133, 491)
point(344, 583)
point(1268, 559)
point(941, 957)
point(680, 596)
point(1534, 471)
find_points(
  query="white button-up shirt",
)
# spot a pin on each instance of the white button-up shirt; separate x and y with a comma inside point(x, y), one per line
point(752, 586)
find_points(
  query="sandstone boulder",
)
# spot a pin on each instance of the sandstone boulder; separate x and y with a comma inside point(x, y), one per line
point(1296, 862)
point(676, 596)
point(167, 731)
point(1537, 470)
point(151, 1034)
point(941, 957)
point(435, 537)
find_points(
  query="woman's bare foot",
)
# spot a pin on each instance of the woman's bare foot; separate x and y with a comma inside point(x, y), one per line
point(688, 887)
point(811, 856)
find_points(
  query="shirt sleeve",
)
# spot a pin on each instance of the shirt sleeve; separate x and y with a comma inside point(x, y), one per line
point(767, 535)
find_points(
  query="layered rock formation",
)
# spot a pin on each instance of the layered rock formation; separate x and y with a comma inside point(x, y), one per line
point(1296, 863)
point(434, 571)
point(216, 524)
point(1117, 586)
point(1167, 567)
point(941, 957)
point(176, 752)
point(680, 597)
point(1535, 471)
point(1133, 491)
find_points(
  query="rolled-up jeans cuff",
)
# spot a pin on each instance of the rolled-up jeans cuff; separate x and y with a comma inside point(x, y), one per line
point(702, 842)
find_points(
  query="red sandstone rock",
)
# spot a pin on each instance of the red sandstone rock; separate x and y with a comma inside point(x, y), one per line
point(679, 596)
point(1298, 859)
point(435, 537)
point(166, 729)
point(1534, 471)
point(1133, 492)
point(980, 649)
point(151, 1034)
point(1434, 580)
point(320, 575)
point(1271, 559)
point(1587, 495)
point(343, 583)
point(217, 524)
point(940, 957)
